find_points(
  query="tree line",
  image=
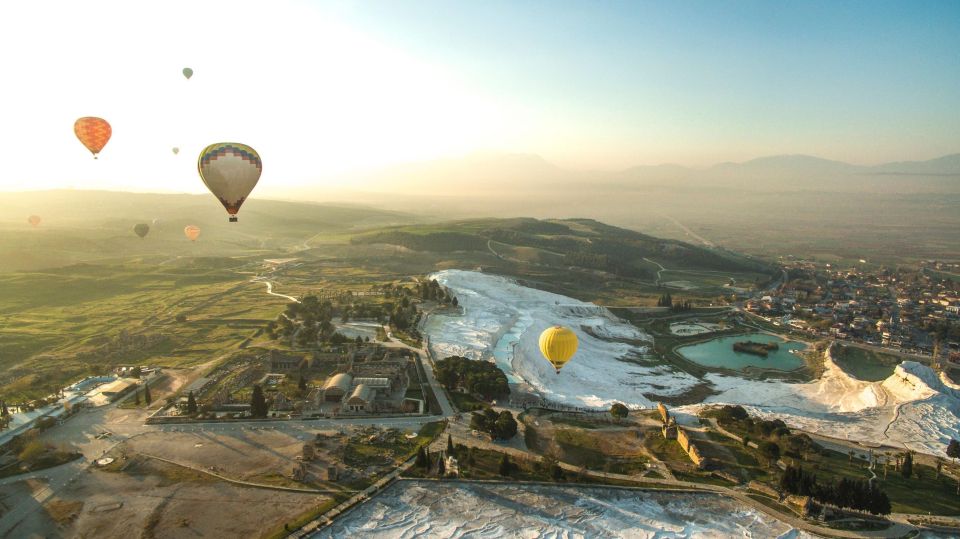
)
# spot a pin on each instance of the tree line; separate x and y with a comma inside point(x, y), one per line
point(849, 493)
point(500, 426)
point(476, 376)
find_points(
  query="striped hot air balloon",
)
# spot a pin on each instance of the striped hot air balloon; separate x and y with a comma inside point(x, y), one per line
point(558, 344)
point(93, 132)
point(187, 72)
point(230, 171)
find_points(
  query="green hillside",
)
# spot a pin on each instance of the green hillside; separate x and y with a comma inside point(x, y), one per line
point(582, 243)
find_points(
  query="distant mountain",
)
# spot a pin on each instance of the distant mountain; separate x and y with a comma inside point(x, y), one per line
point(497, 177)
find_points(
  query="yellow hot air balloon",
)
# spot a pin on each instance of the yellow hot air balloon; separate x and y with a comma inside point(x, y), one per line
point(558, 344)
point(191, 232)
point(230, 171)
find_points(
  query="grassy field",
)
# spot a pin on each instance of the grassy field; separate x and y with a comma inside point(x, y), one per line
point(913, 495)
point(587, 449)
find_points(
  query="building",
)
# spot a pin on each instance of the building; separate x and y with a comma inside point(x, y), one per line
point(336, 387)
point(118, 388)
point(361, 400)
point(380, 384)
point(280, 361)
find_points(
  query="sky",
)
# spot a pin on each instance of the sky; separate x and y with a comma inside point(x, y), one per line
point(323, 89)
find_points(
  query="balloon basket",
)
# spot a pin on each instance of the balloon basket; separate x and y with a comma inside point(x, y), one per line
point(233, 219)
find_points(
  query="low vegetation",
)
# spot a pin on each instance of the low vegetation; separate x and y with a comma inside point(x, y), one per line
point(477, 377)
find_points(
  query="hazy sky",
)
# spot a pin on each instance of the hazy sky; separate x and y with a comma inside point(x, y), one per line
point(322, 88)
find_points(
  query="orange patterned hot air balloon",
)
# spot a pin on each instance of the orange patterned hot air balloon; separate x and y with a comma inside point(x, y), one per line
point(93, 133)
point(34, 220)
point(191, 232)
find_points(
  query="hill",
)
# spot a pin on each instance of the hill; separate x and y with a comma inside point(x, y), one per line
point(576, 243)
point(771, 206)
point(84, 226)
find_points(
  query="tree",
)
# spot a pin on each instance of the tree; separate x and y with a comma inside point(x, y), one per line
point(303, 383)
point(146, 393)
point(136, 398)
point(450, 450)
point(421, 461)
point(32, 451)
point(505, 465)
point(441, 467)
point(953, 448)
point(181, 318)
point(906, 469)
point(136, 372)
point(455, 302)
point(505, 427)
point(5, 412)
point(619, 411)
point(258, 403)
point(770, 451)
point(850, 455)
point(191, 404)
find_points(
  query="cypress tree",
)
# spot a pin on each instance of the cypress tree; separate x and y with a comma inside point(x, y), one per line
point(450, 450)
point(907, 468)
point(258, 404)
point(146, 393)
point(505, 465)
point(191, 404)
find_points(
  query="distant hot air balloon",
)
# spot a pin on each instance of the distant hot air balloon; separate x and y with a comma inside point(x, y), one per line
point(93, 133)
point(176, 150)
point(230, 171)
point(558, 344)
point(187, 72)
point(34, 220)
point(141, 229)
point(191, 232)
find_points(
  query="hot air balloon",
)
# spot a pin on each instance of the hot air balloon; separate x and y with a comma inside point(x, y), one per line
point(191, 232)
point(187, 72)
point(34, 220)
point(558, 344)
point(93, 133)
point(176, 150)
point(141, 229)
point(230, 171)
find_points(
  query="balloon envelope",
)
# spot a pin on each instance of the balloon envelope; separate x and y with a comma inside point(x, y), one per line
point(93, 133)
point(230, 171)
point(191, 232)
point(187, 72)
point(176, 150)
point(34, 220)
point(558, 344)
point(141, 229)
